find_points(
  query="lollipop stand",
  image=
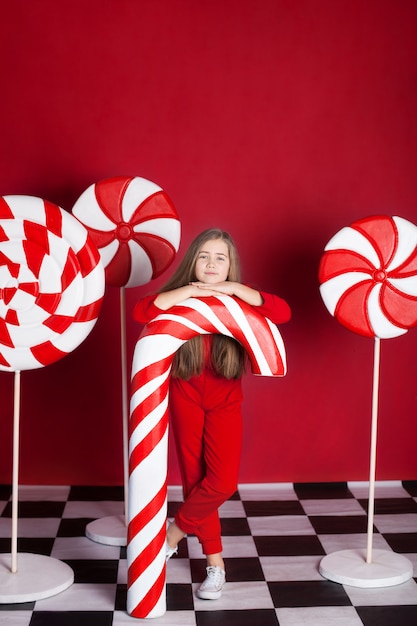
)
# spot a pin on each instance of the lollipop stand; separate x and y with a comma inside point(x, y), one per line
point(378, 568)
point(27, 577)
point(112, 530)
point(137, 232)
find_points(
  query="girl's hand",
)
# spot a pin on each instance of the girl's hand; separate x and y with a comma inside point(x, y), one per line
point(229, 288)
point(165, 300)
point(226, 288)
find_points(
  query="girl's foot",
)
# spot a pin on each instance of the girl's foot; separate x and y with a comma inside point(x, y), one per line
point(169, 552)
point(174, 534)
point(212, 587)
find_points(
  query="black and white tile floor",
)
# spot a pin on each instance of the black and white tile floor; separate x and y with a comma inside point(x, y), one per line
point(274, 539)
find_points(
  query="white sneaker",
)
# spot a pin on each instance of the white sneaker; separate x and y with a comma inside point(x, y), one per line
point(212, 587)
point(169, 552)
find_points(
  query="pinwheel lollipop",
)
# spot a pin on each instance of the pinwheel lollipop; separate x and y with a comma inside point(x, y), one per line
point(368, 276)
point(51, 283)
point(51, 290)
point(136, 229)
point(134, 225)
point(154, 353)
point(368, 282)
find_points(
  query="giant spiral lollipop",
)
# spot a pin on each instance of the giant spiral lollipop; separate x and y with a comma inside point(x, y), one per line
point(368, 282)
point(136, 228)
point(152, 360)
point(368, 276)
point(51, 283)
point(51, 290)
point(134, 225)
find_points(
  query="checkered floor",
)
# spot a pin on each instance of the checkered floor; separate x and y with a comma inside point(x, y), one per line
point(274, 539)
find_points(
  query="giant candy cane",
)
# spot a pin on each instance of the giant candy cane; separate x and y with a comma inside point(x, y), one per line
point(148, 437)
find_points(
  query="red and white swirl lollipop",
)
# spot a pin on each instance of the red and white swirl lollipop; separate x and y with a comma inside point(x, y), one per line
point(368, 282)
point(368, 276)
point(136, 229)
point(148, 441)
point(134, 225)
point(51, 283)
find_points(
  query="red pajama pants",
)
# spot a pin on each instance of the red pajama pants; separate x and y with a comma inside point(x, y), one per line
point(207, 425)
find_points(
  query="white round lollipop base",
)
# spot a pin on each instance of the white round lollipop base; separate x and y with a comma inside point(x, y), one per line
point(37, 577)
point(112, 531)
point(349, 567)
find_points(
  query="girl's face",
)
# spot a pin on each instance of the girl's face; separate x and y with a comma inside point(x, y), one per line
point(213, 262)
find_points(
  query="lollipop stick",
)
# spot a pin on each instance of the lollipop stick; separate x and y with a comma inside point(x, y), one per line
point(375, 389)
point(15, 477)
point(125, 412)
point(112, 530)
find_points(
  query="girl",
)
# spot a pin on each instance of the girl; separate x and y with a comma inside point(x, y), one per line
point(206, 396)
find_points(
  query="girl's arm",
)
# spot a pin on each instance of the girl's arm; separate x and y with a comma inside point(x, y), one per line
point(230, 288)
point(166, 299)
point(275, 308)
point(269, 305)
point(150, 307)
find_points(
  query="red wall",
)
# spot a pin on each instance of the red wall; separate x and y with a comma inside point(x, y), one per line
point(280, 121)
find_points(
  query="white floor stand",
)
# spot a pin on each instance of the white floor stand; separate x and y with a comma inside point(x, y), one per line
point(349, 567)
point(360, 568)
point(27, 577)
point(36, 578)
point(112, 530)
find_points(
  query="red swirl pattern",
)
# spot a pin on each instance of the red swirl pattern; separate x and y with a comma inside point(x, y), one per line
point(368, 276)
point(134, 225)
point(51, 283)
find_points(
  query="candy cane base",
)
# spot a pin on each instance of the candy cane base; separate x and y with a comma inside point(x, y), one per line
point(148, 427)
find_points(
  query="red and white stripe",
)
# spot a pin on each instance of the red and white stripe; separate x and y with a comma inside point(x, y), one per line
point(134, 225)
point(51, 283)
point(368, 276)
point(148, 438)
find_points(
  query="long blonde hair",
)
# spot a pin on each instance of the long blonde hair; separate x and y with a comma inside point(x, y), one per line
point(227, 356)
